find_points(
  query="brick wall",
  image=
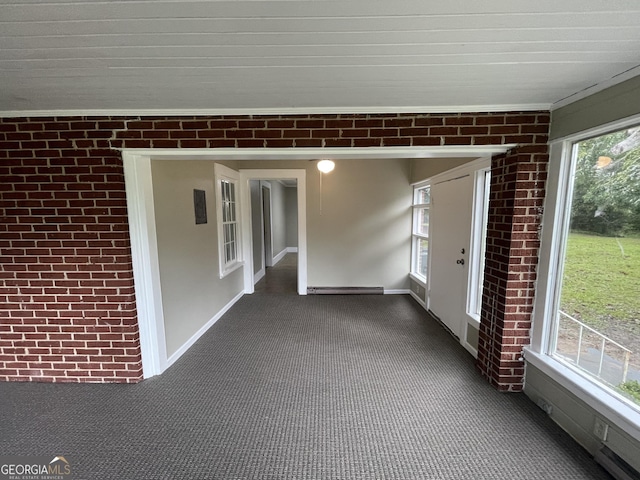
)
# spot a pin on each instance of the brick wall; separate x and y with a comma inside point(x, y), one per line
point(516, 199)
point(67, 305)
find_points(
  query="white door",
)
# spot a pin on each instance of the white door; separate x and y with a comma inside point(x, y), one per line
point(451, 219)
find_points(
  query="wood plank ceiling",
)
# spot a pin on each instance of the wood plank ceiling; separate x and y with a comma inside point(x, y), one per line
point(268, 56)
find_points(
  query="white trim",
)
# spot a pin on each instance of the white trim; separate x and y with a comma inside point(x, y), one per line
point(279, 256)
point(615, 410)
point(418, 280)
point(398, 291)
point(180, 112)
point(464, 169)
point(292, 249)
point(300, 176)
point(138, 185)
point(551, 245)
point(194, 338)
point(469, 348)
point(359, 153)
point(477, 246)
point(267, 260)
point(598, 87)
point(258, 276)
point(146, 269)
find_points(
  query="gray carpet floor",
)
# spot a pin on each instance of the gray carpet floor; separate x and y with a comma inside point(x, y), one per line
point(288, 387)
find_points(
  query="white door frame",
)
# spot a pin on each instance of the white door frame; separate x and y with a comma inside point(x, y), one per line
point(245, 194)
point(466, 169)
point(142, 227)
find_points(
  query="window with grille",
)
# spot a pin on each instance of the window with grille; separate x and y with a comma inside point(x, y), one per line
point(420, 232)
point(229, 245)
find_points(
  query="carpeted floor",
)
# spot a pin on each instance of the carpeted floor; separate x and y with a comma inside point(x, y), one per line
point(288, 387)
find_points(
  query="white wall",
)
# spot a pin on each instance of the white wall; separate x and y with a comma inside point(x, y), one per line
point(278, 217)
point(362, 236)
point(291, 208)
point(192, 293)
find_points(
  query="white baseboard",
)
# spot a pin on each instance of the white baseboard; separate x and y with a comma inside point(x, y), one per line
point(279, 257)
point(189, 343)
point(292, 249)
point(259, 275)
point(402, 291)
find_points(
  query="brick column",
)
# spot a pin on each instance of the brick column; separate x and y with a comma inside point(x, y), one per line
point(515, 211)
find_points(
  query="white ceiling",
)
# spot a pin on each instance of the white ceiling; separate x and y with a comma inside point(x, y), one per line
point(266, 56)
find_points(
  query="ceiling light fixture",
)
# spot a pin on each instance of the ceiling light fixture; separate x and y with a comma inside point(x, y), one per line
point(326, 166)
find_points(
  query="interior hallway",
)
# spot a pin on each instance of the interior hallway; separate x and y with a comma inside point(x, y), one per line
point(299, 387)
point(281, 278)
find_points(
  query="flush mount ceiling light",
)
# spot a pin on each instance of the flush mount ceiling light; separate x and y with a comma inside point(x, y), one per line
point(325, 166)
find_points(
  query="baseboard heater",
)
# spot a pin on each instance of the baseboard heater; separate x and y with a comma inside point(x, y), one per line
point(616, 466)
point(345, 290)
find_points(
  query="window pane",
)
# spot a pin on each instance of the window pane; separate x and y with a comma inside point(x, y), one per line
point(232, 251)
point(423, 195)
point(423, 252)
point(598, 328)
point(225, 190)
point(422, 226)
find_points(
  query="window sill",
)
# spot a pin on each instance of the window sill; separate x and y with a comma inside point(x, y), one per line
point(231, 268)
point(419, 280)
point(612, 408)
point(474, 319)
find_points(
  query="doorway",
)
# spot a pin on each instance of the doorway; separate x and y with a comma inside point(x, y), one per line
point(253, 224)
point(459, 200)
point(274, 235)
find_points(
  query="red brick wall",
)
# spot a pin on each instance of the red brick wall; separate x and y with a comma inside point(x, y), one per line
point(67, 305)
point(516, 199)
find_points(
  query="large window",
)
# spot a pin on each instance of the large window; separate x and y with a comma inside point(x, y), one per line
point(420, 232)
point(597, 303)
point(229, 245)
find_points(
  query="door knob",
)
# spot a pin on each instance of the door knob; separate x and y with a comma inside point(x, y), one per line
point(460, 262)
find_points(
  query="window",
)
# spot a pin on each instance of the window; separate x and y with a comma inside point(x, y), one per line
point(478, 241)
point(229, 245)
point(420, 232)
point(596, 330)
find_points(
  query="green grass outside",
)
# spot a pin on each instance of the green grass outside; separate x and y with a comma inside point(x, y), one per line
point(602, 280)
